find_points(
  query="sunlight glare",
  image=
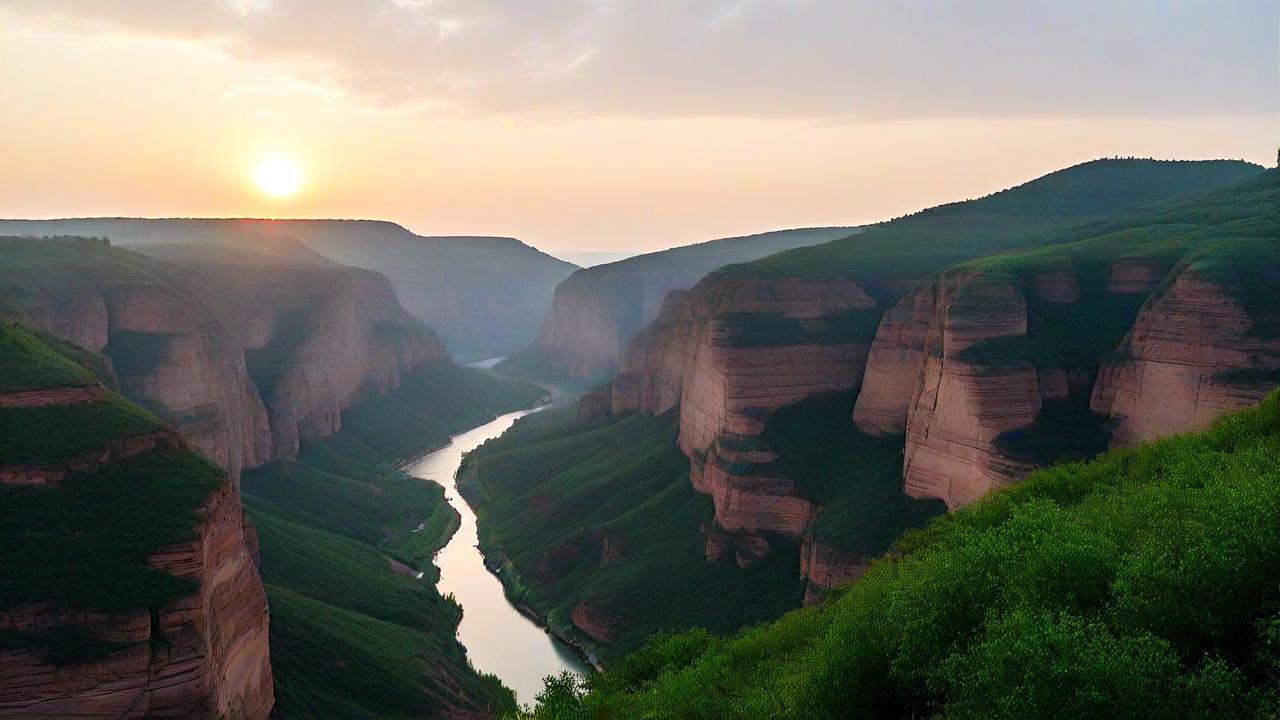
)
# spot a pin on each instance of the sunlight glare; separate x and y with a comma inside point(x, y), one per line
point(278, 176)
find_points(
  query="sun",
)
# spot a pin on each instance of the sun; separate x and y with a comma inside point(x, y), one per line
point(278, 176)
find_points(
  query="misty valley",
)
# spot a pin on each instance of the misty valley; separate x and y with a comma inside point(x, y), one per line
point(684, 360)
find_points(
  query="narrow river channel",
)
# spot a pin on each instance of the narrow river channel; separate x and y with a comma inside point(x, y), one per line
point(498, 638)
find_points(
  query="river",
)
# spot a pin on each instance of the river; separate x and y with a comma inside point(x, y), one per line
point(499, 640)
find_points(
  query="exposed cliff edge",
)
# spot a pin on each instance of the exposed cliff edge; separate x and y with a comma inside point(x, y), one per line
point(245, 353)
point(484, 295)
point(139, 596)
point(598, 309)
point(982, 372)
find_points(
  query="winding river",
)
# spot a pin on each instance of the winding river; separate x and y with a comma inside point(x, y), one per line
point(499, 640)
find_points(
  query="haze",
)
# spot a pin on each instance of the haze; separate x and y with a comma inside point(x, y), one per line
point(608, 126)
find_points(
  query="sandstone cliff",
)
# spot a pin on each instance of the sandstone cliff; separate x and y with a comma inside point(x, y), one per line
point(202, 652)
point(245, 354)
point(597, 310)
point(1201, 346)
point(987, 369)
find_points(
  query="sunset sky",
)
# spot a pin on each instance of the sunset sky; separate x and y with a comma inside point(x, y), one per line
point(603, 124)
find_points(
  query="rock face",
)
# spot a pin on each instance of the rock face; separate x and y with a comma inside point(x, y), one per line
point(316, 339)
point(959, 408)
point(597, 310)
point(245, 354)
point(726, 380)
point(204, 654)
point(485, 295)
point(824, 567)
point(213, 660)
point(1193, 353)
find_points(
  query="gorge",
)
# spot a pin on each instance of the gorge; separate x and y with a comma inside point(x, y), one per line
point(270, 455)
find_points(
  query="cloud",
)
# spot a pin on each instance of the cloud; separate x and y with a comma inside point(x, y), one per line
point(832, 59)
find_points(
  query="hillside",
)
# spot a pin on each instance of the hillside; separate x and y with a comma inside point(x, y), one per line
point(1144, 583)
point(805, 407)
point(598, 309)
point(484, 295)
point(127, 583)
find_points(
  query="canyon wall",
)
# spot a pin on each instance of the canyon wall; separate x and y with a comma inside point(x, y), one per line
point(244, 354)
point(727, 378)
point(203, 654)
point(597, 310)
point(485, 296)
point(1197, 350)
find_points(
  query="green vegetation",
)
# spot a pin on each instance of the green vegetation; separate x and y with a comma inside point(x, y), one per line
point(748, 329)
point(85, 542)
point(350, 637)
point(1143, 583)
point(52, 432)
point(855, 478)
point(332, 662)
point(551, 491)
point(28, 362)
point(1064, 205)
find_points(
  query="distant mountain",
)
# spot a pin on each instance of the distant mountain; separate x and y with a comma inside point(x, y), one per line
point(483, 295)
point(598, 309)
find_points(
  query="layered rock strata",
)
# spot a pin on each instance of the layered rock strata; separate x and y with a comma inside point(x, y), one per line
point(1194, 353)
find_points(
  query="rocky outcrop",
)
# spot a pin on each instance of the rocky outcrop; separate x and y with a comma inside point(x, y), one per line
point(597, 310)
point(183, 330)
point(727, 378)
point(597, 621)
point(317, 339)
point(893, 363)
point(824, 567)
point(204, 655)
point(1194, 352)
point(959, 408)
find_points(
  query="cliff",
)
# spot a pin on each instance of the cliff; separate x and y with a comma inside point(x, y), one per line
point(140, 598)
point(597, 310)
point(484, 295)
point(985, 370)
point(1205, 344)
point(245, 354)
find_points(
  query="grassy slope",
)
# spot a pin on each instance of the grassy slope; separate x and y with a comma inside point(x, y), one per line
point(553, 486)
point(84, 542)
point(1078, 202)
point(1144, 583)
point(348, 636)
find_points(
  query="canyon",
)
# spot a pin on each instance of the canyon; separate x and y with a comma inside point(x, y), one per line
point(967, 362)
point(249, 355)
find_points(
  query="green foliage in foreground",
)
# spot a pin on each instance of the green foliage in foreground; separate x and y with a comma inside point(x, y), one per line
point(1144, 583)
point(350, 638)
point(551, 489)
